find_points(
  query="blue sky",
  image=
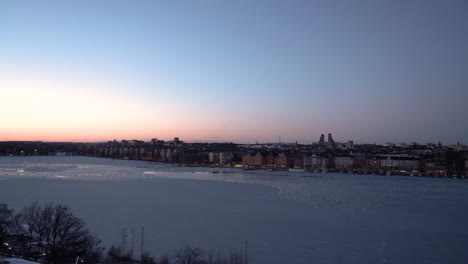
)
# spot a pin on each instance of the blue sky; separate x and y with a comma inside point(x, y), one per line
point(369, 71)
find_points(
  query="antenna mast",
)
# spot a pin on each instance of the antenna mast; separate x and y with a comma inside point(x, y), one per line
point(245, 253)
point(141, 244)
point(133, 240)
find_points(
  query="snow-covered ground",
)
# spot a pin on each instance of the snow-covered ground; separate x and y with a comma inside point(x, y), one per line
point(324, 218)
point(19, 261)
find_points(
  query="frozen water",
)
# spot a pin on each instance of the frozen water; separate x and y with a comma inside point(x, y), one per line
point(287, 218)
point(19, 261)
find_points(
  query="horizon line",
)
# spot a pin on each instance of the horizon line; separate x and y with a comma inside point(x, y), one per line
point(226, 142)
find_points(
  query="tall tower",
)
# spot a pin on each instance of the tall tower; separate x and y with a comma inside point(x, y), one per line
point(330, 139)
point(322, 140)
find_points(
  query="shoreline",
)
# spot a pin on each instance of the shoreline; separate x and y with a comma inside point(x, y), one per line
point(290, 171)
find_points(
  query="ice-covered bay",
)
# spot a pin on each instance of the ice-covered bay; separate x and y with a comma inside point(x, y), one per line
point(322, 218)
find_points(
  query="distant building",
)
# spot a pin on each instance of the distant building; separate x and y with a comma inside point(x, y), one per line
point(213, 157)
point(156, 154)
point(330, 142)
point(322, 140)
point(282, 161)
point(177, 155)
point(434, 168)
point(271, 160)
point(253, 160)
point(360, 163)
point(343, 163)
point(298, 160)
point(162, 155)
point(168, 155)
point(373, 164)
point(387, 163)
point(315, 162)
point(225, 158)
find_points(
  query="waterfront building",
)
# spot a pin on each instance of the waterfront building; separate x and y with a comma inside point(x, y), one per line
point(434, 167)
point(360, 163)
point(316, 162)
point(343, 163)
point(271, 159)
point(253, 160)
point(282, 161)
point(407, 164)
point(388, 163)
point(308, 161)
point(177, 155)
point(162, 155)
point(213, 157)
point(373, 164)
point(298, 160)
point(168, 155)
point(225, 158)
point(156, 154)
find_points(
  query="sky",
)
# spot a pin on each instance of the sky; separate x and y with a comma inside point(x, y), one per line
point(234, 71)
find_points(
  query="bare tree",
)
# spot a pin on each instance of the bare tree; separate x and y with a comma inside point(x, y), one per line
point(147, 259)
point(5, 220)
point(216, 259)
point(26, 226)
point(116, 255)
point(193, 255)
point(236, 257)
point(164, 259)
point(55, 232)
point(190, 255)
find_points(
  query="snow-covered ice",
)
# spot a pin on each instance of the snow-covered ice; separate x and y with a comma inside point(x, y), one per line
point(325, 218)
point(19, 261)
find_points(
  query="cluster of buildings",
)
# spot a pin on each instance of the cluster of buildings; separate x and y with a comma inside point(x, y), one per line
point(324, 155)
point(361, 163)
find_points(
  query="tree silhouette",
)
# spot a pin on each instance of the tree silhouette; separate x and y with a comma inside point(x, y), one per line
point(5, 221)
point(55, 232)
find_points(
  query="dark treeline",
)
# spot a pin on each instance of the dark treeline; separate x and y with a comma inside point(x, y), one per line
point(185, 255)
point(51, 233)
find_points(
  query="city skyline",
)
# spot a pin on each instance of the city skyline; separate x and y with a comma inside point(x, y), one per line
point(247, 71)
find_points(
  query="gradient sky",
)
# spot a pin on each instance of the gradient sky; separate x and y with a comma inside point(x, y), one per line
point(369, 71)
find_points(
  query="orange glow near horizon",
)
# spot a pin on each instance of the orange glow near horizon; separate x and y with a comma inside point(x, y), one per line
point(56, 106)
point(51, 107)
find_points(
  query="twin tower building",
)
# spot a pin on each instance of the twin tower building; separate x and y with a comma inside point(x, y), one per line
point(329, 142)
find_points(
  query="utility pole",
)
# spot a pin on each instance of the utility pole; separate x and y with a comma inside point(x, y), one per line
point(133, 240)
point(124, 238)
point(141, 244)
point(245, 253)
